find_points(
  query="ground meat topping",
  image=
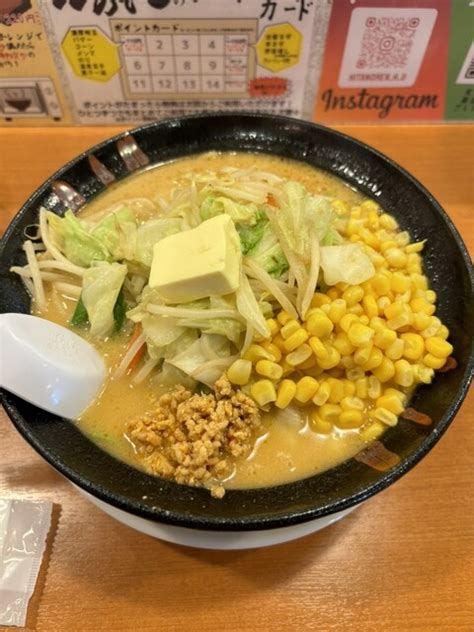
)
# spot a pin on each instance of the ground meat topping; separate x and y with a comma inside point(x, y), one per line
point(195, 439)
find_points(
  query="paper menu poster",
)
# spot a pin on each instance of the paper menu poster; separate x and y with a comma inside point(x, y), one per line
point(30, 87)
point(138, 60)
point(385, 61)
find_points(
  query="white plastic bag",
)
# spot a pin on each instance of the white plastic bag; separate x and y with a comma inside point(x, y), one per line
point(24, 526)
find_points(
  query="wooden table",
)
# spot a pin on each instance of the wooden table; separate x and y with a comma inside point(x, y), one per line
point(404, 561)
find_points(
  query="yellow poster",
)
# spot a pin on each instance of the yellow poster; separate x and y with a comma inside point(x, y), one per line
point(31, 92)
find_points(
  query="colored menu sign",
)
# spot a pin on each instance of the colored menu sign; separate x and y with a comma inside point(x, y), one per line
point(384, 62)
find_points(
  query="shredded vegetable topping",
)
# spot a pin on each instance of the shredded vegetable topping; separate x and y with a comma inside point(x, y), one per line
point(287, 236)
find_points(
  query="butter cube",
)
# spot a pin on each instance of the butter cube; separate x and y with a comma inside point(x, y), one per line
point(193, 264)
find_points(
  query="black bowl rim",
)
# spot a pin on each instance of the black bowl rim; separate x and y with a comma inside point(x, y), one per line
point(244, 524)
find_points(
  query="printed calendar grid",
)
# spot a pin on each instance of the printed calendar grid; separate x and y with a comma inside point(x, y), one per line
point(215, 61)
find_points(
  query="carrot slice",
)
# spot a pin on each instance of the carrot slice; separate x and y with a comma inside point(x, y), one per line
point(271, 200)
point(139, 354)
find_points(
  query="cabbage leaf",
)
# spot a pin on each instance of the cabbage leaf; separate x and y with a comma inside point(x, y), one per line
point(101, 285)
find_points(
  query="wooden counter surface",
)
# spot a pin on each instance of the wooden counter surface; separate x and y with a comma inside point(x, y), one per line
point(404, 561)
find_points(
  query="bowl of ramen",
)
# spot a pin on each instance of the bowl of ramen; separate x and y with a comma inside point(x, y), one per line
point(285, 315)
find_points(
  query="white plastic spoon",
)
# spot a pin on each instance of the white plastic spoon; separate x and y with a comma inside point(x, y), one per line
point(48, 365)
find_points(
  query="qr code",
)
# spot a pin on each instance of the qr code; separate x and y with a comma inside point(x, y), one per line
point(466, 74)
point(385, 46)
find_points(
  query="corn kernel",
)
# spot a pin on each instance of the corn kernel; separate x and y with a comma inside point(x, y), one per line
point(387, 244)
point(394, 310)
point(385, 371)
point(400, 283)
point(430, 296)
point(273, 350)
point(331, 361)
point(319, 348)
point(360, 335)
point(385, 416)
point(319, 425)
point(382, 303)
point(421, 321)
point(355, 374)
point(279, 342)
point(395, 351)
point(423, 374)
point(336, 390)
point(369, 238)
point(283, 317)
point(352, 403)
point(306, 389)
point(375, 359)
point(384, 338)
point(350, 419)
point(356, 212)
point(413, 345)
point(417, 246)
point(347, 362)
point(353, 295)
point(349, 388)
point(413, 263)
point(347, 320)
point(420, 305)
point(263, 392)
point(330, 412)
point(377, 259)
point(391, 403)
point(322, 394)
point(239, 372)
point(433, 362)
point(388, 222)
point(285, 393)
point(269, 369)
point(380, 284)
point(340, 207)
point(400, 321)
point(289, 328)
point(319, 325)
point(310, 363)
point(357, 310)
point(299, 355)
point(342, 344)
point(370, 306)
point(402, 238)
point(255, 353)
point(273, 325)
point(438, 347)
point(320, 299)
point(373, 221)
point(394, 392)
point(361, 387)
point(443, 332)
point(296, 339)
point(374, 388)
point(369, 206)
point(419, 281)
point(404, 375)
point(378, 324)
point(372, 432)
point(337, 310)
point(362, 355)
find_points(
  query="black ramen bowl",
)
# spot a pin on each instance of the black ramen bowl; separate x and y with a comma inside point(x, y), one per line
point(446, 263)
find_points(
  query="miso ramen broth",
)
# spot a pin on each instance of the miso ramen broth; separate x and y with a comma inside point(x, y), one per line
point(353, 388)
